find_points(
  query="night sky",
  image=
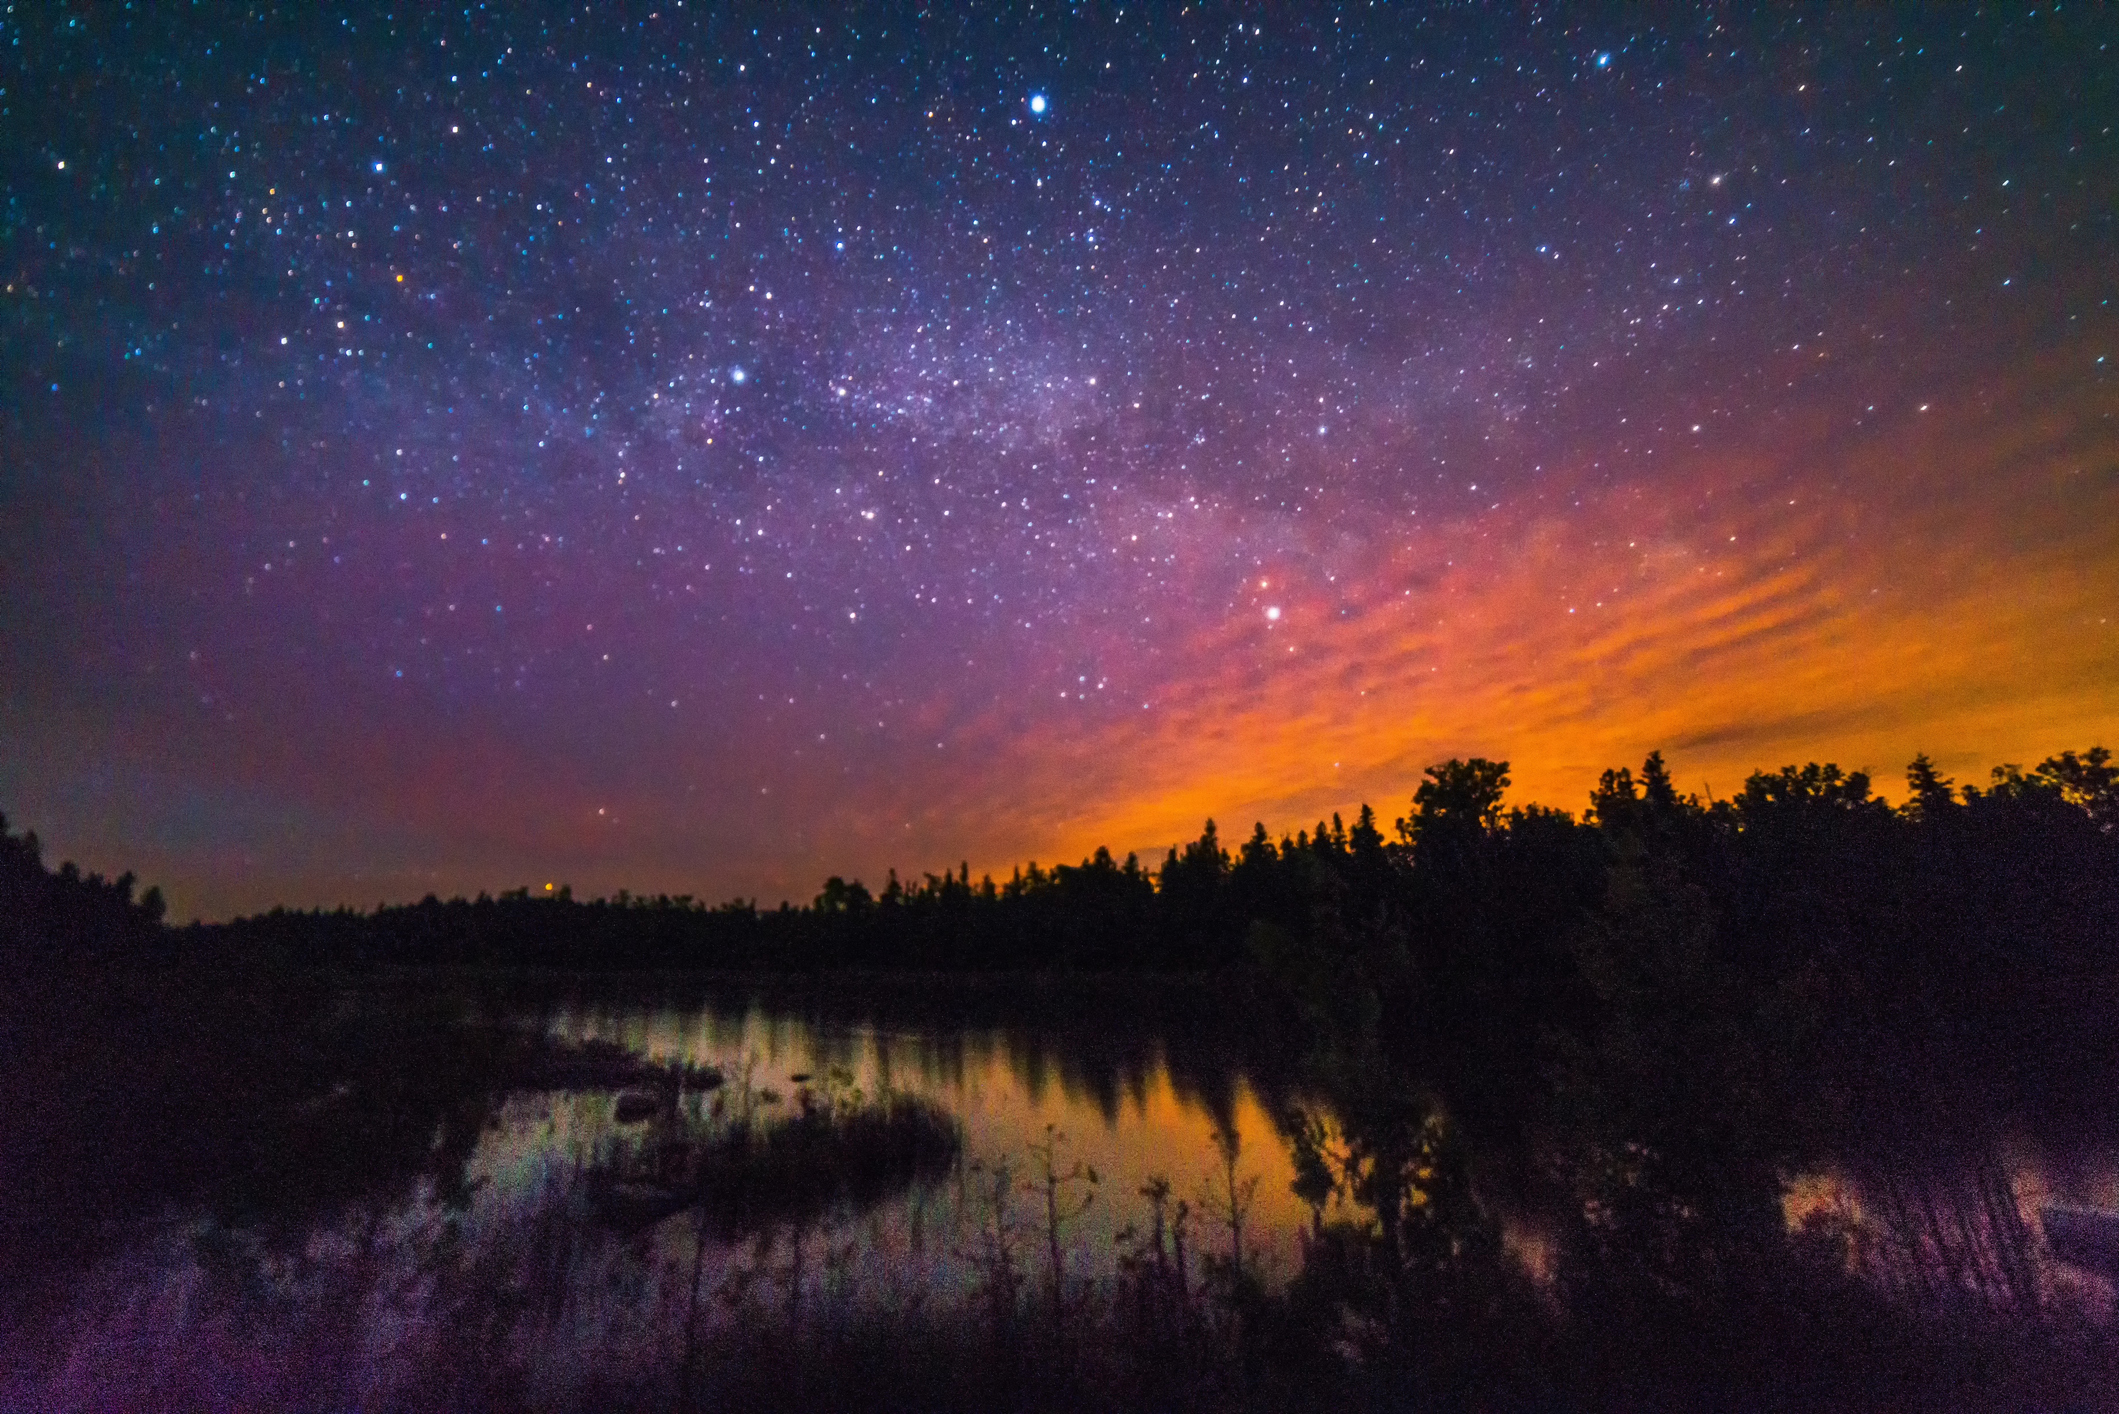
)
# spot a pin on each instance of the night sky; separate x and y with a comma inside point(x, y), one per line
point(703, 450)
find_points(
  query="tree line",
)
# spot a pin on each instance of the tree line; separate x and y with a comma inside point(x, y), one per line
point(1804, 935)
point(1638, 1022)
point(1490, 892)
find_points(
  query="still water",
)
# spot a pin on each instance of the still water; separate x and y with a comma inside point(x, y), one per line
point(502, 1267)
point(1111, 1105)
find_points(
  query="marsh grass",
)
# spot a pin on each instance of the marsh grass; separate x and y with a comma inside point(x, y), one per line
point(712, 1258)
point(422, 1308)
point(743, 1162)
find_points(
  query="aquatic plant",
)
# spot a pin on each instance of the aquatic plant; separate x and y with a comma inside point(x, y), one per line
point(742, 1172)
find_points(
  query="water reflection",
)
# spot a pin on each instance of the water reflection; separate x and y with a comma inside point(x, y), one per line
point(499, 1266)
point(494, 1269)
point(1118, 1107)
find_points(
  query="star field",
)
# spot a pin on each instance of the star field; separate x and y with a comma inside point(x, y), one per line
point(706, 448)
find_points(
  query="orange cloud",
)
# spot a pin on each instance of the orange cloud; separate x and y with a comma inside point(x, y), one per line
point(1949, 584)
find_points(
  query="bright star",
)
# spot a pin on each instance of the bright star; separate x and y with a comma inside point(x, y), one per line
point(737, 374)
point(1037, 103)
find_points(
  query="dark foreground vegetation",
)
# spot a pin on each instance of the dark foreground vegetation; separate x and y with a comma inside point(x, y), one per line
point(1637, 1026)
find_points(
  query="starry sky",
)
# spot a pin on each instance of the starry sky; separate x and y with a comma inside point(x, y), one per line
point(701, 449)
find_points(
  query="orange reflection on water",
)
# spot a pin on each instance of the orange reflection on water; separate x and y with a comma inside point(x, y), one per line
point(1131, 1124)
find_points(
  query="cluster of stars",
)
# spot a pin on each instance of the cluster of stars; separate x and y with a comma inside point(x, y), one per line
point(859, 381)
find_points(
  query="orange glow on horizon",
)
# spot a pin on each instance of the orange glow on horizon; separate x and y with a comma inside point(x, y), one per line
point(1947, 582)
point(1927, 605)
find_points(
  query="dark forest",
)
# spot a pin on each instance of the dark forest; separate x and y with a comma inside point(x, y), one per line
point(1643, 1020)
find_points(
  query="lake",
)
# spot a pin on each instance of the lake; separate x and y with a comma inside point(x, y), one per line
point(1078, 1066)
point(1121, 1084)
point(492, 1257)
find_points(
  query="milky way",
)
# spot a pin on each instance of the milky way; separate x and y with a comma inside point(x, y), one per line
point(702, 449)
